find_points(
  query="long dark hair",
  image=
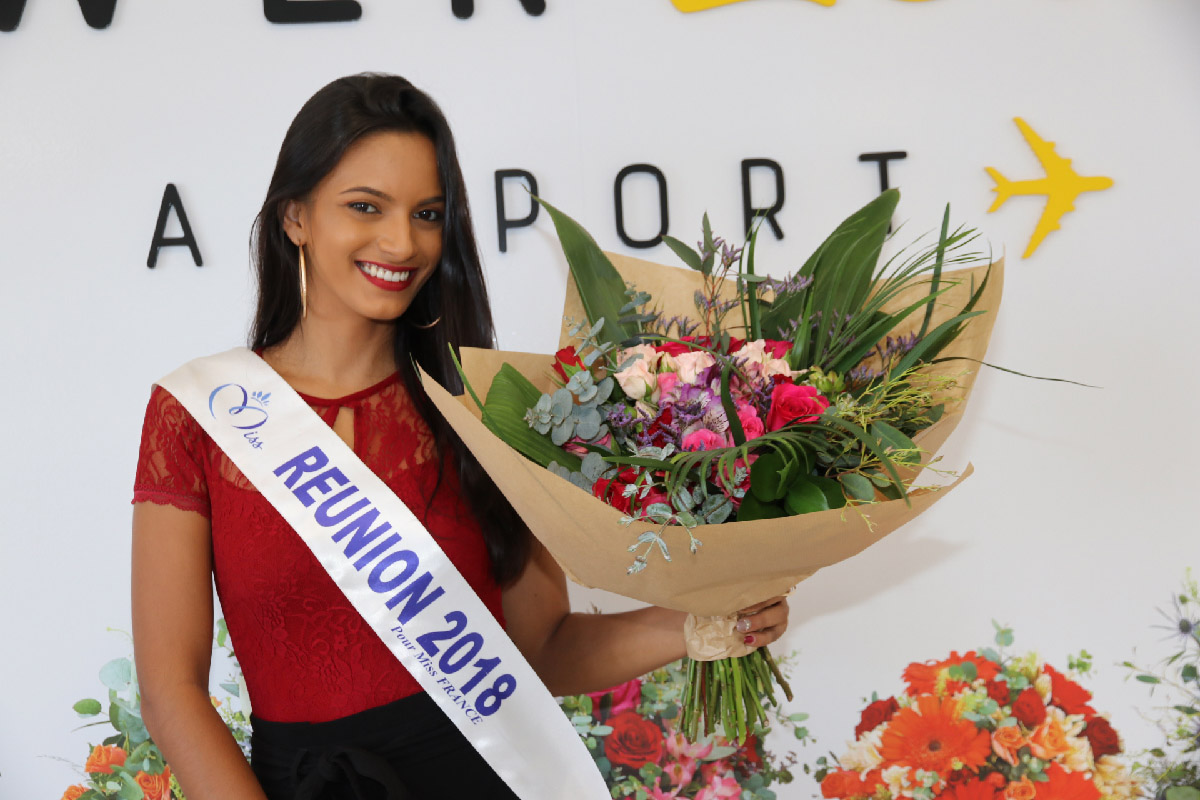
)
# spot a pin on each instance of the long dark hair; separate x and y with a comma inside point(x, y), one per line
point(331, 121)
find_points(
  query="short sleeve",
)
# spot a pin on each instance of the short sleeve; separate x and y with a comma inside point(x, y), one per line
point(170, 468)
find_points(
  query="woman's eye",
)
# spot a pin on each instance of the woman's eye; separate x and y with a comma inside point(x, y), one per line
point(364, 207)
point(431, 215)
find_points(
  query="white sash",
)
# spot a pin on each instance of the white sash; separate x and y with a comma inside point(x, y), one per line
point(392, 572)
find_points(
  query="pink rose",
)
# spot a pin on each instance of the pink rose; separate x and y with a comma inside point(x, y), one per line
point(638, 379)
point(667, 381)
point(751, 424)
point(624, 697)
point(704, 439)
point(791, 403)
point(690, 365)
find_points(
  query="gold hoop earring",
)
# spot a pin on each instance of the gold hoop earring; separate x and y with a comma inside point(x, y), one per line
point(303, 286)
point(427, 326)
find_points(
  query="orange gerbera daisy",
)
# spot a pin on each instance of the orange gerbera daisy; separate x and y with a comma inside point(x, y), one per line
point(931, 734)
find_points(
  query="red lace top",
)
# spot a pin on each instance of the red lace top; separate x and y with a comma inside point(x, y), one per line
point(306, 653)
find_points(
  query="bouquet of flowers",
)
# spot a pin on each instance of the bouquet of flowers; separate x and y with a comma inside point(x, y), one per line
point(632, 733)
point(128, 764)
point(1173, 768)
point(980, 726)
point(709, 407)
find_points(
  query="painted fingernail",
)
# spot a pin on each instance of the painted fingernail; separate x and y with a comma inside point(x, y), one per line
point(748, 640)
point(743, 625)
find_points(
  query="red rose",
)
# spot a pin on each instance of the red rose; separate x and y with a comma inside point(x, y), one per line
point(613, 493)
point(672, 348)
point(634, 741)
point(1067, 694)
point(875, 715)
point(735, 343)
point(658, 433)
point(1029, 708)
point(1102, 737)
point(775, 348)
point(998, 691)
point(567, 357)
point(791, 403)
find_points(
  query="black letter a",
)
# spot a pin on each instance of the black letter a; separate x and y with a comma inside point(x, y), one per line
point(96, 13)
point(171, 200)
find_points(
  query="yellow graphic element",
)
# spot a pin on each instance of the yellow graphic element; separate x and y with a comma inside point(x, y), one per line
point(688, 6)
point(1061, 185)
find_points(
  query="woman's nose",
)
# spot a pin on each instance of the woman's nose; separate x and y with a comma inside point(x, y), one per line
point(397, 241)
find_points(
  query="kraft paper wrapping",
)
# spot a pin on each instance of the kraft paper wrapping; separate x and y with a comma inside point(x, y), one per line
point(740, 563)
point(713, 638)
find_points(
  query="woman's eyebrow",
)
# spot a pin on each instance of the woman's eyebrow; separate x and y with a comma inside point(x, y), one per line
point(370, 191)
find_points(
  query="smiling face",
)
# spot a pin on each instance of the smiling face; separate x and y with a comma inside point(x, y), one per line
point(371, 229)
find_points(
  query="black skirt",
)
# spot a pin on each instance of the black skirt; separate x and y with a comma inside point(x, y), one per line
point(406, 750)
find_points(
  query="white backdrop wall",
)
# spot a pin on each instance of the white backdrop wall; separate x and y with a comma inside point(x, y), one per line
point(1077, 523)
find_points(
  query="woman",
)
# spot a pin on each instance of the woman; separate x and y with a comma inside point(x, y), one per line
point(366, 263)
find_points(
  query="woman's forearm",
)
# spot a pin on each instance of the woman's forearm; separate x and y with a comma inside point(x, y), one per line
point(196, 743)
point(592, 652)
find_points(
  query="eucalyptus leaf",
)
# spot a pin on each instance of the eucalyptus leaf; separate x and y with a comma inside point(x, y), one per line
point(510, 395)
point(117, 674)
point(560, 434)
point(594, 466)
point(857, 486)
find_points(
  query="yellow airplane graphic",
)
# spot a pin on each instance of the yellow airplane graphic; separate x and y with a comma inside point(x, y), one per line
point(1061, 185)
point(688, 6)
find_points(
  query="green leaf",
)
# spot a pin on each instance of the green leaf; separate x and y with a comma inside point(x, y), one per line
point(88, 708)
point(1189, 672)
point(769, 476)
point(842, 271)
point(1148, 679)
point(685, 253)
point(804, 497)
point(937, 271)
point(752, 508)
point(1182, 793)
point(601, 287)
point(857, 486)
point(832, 490)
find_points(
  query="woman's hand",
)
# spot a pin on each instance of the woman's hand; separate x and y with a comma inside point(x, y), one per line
point(764, 622)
